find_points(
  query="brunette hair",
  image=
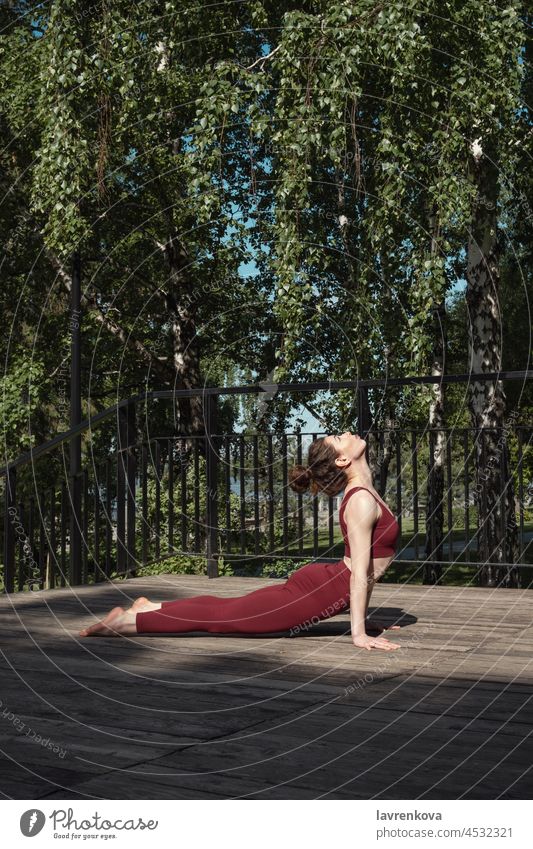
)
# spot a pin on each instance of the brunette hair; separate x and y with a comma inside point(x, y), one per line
point(321, 473)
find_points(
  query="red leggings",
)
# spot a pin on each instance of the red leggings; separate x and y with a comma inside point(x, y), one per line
point(315, 591)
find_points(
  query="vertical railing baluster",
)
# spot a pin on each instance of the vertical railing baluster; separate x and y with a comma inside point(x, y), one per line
point(363, 413)
point(503, 494)
point(64, 521)
point(51, 582)
point(170, 453)
point(242, 494)
point(429, 570)
point(522, 545)
point(184, 462)
point(98, 572)
point(75, 495)
point(157, 522)
point(227, 479)
point(382, 469)
point(121, 492)
point(126, 481)
point(131, 483)
point(270, 463)
point(43, 542)
point(331, 526)
point(211, 457)
point(85, 528)
point(300, 497)
point(2, 538)
point(256, 491)
point(467, 496)
point(9, 529)
point(22, 553)
point(487, 568)
point(315, 497)
point(75, 508)
point(197, 494)
point(449, 492)
point(31, 540)
point(144, 509)
point(414, 465)
point(285, 494)
point(399, 481)
point(109, 518)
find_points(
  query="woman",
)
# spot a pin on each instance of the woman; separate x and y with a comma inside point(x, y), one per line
point(313, 592)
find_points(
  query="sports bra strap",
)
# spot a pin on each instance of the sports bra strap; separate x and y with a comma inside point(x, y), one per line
point(354, 489)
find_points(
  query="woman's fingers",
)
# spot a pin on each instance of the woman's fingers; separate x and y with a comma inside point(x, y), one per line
point(385, 644)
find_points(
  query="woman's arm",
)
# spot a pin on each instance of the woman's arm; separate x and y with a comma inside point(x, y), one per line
point(360, 515)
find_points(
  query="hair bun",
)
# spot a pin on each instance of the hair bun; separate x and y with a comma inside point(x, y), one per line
point(300, 478)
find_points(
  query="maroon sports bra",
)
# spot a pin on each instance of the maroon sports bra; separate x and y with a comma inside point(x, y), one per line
point(385, 533)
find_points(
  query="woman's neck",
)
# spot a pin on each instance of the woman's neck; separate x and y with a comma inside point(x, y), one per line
point(361, 477)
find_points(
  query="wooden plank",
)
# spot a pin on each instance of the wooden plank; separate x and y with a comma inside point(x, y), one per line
point(325, 750)
point(269, 716)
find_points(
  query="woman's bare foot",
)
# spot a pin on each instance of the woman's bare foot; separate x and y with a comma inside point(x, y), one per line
point(142, 605)
point(117, 622)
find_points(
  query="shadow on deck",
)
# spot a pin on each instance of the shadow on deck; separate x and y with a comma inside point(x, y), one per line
point(448, 716)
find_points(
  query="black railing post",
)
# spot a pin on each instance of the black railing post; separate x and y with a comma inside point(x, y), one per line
point(211, 459)
point(363, 417)
point(75, 419)
point(363, 413)
point(131, 475)
point(10, 516)
point(126, 474)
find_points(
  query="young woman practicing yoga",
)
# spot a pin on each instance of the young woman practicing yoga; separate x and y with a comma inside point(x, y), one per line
point(313, 592)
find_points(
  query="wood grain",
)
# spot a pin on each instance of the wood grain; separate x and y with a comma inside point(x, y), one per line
point(450, 715)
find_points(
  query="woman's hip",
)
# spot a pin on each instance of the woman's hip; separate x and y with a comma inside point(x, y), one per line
point(327, 580)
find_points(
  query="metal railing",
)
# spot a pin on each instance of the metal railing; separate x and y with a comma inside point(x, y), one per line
point(226, 495)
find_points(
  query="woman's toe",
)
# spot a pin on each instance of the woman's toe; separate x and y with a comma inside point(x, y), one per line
point(105, 625)
point(139, 604)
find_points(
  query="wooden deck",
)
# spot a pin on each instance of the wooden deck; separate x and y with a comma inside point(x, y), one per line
point(449, 716)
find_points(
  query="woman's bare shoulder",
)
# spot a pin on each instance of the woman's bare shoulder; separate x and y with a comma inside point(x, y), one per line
point(361, 504)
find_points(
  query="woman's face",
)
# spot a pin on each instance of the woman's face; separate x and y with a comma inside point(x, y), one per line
point(349, 445)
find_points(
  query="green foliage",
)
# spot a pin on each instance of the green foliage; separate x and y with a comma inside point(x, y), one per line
point(316, 140)
point(22, 390)
point(355, 97)
point(178, 564)
point(280, 568)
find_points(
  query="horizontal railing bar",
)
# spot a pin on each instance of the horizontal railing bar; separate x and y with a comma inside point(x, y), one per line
point(282, 556)
point(341, 384)
point(235, 555)
point(40, 450)
point(65, 436)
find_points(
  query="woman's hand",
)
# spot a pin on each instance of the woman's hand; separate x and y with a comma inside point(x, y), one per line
point(365, 642)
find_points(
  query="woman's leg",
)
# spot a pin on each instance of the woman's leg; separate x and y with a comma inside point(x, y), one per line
point(315, 591)
point(265, 609)
point(305, 595)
